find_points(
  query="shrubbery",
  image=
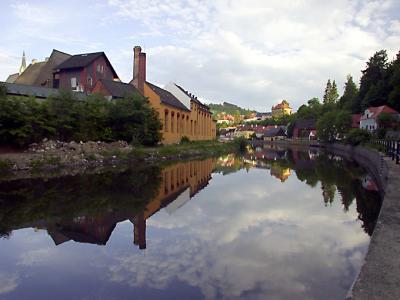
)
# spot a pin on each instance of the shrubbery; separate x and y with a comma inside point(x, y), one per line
point(241, 143)
point(61, 116)
point(358, 136)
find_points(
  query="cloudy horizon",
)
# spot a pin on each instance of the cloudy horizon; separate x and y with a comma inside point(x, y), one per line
point(250, 53)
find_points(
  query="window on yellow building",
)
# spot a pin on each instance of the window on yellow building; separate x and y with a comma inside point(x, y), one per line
point(166, 121)
point(177, 122)
point(172, 121)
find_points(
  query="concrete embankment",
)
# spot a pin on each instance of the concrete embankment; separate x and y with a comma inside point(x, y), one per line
point(379, 277)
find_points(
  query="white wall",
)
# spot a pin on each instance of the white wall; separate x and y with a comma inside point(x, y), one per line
point(181, 96)
point(367, 124)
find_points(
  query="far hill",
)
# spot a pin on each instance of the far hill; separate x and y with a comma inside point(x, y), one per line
point(229, 108)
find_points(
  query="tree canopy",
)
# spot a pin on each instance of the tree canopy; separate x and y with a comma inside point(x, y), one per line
point(25, 120)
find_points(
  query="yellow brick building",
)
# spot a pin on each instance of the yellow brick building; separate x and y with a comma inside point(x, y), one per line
point(185, 116)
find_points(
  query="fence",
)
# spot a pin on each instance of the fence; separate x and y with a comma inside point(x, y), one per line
point(391, 148)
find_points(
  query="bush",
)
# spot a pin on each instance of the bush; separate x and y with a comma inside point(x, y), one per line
point(25, 120)
point(241, 143)
point(185, 140)
point(358, 136)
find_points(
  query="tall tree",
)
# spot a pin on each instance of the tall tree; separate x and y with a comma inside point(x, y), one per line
point(394, 96)
point(373, 82)
point(331, 94)
point(349, 99)
point(334, 95)
point(327, 91)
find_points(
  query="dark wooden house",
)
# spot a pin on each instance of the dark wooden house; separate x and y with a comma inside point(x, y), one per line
point(81, 72)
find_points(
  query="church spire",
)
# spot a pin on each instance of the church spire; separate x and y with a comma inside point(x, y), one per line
point(23, 64)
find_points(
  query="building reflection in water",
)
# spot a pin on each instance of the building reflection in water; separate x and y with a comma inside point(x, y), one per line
point(179, 183)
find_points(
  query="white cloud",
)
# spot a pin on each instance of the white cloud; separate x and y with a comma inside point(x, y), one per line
point(230, 50)
point(36, 14)
point(8, 282)
point(249, 52)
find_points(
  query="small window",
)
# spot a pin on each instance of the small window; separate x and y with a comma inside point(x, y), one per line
point(90, 81)
point(73, 82)
point(100, 68)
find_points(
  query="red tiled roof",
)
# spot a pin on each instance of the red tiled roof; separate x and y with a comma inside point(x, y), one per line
point(376, 111)
point(280, 106)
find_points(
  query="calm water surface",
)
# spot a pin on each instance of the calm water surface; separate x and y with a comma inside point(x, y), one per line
point(273, 224)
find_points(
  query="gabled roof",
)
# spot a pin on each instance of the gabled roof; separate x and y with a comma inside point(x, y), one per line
point(41, 73)
point(192, 97)
point(45, 76)
point(275, 132)
point(166, 97)
point(118, 89)
point(12, 77)
point(305, 124)
point(83, 60)
point(79, 60)
point(31, 73)
point(376, 111)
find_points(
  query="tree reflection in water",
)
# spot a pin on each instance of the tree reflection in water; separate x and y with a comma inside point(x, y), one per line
point(86, 208)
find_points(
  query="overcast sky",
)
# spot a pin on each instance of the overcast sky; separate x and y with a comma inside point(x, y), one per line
point(251, 53)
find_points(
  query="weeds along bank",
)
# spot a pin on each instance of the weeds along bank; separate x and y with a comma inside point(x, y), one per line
point(59, 157)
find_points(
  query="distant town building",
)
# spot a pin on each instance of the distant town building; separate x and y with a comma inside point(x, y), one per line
point(304, 128)
point(370, 119)
point(281, 109)
point(263, 116)
point(274, 134)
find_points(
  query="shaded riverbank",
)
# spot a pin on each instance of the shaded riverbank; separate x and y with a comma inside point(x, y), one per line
point(52, 158)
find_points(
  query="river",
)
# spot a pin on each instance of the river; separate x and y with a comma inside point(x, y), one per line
point(274, 223)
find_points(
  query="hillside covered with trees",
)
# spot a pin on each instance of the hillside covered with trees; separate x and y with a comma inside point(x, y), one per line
point(229, 108)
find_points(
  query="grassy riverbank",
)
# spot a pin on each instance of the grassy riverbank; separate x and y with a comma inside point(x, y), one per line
point(82, 157)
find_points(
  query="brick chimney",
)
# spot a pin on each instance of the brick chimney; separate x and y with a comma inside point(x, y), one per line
point(139, 68)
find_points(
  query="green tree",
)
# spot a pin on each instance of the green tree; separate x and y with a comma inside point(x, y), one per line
point(64, 112)
point(331, 94)
point(327, 93)
point(394, 95)
point(326, 127)
point(133, 120)
point(22, 121)
point(374, 82)
point(349, 99)
point(342, 123)
point(333, 125)
point(334, 95)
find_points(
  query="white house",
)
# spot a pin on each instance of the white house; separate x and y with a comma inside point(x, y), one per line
point(369, 120)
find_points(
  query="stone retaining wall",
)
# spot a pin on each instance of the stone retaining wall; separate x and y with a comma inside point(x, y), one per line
point(379, 277)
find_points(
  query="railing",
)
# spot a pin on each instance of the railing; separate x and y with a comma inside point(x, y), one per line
point(391, 148)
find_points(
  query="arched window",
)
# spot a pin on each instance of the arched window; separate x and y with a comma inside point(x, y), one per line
point(172, 121)
point(178, 119)
point(166, 120)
